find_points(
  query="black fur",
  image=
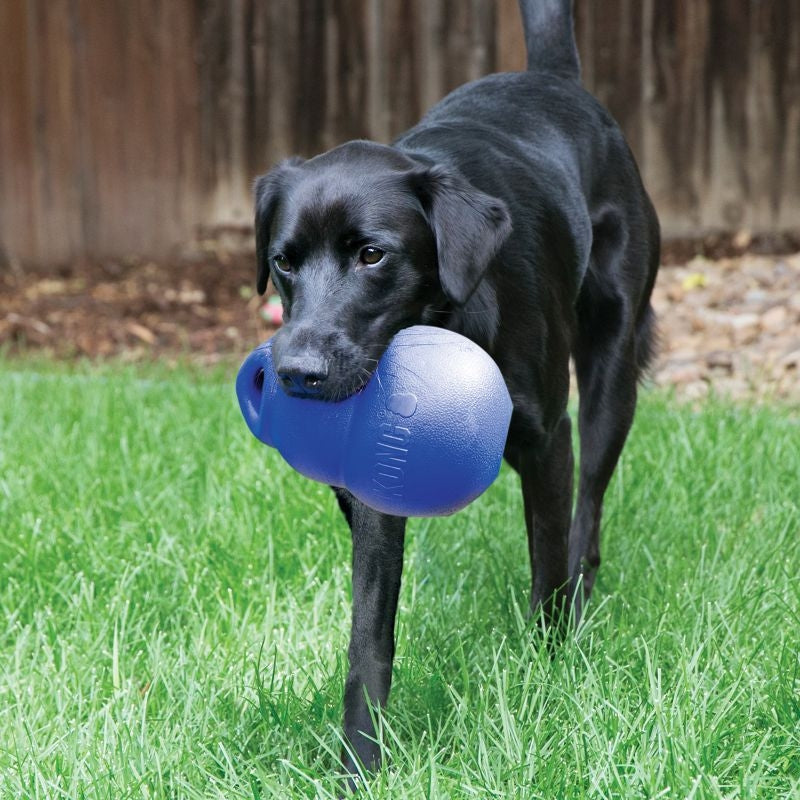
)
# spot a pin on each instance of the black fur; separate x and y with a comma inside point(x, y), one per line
point(513, 213)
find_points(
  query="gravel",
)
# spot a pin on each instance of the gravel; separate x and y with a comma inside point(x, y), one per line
point(728, 325)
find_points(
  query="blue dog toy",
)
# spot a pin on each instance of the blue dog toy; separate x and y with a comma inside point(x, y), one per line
point(423, 438)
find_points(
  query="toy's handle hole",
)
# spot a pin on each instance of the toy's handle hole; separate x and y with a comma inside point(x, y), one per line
point(258, 379)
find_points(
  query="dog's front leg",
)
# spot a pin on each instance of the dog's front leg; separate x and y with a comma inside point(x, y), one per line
point(546, 473)
point(377, 568)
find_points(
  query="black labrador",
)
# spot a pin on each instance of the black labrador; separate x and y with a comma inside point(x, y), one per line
point(513, 213)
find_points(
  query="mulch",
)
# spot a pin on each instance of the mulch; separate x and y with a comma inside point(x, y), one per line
point(729, 315)
point(202, 308)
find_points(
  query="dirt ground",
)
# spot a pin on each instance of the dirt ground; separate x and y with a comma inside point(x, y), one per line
point(729, 319)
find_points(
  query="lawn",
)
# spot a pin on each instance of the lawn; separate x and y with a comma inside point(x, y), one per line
point(175, 611)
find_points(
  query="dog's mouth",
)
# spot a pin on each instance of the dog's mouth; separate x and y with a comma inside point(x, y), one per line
point(355, 380)
point(357, 385)
point(335, 388)
point(326, 370)
point(352, 372)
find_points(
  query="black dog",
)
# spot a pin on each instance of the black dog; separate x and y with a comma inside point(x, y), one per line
point(513, 213)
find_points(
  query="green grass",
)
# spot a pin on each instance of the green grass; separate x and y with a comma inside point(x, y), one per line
point(175, 610)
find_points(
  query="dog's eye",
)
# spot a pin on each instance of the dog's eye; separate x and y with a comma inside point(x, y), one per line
point(371, 256)
point(281, 263)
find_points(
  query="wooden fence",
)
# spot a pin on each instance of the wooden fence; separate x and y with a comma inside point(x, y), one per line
point(127, 127)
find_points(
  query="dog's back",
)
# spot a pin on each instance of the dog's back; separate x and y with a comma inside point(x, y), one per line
point(556, 156)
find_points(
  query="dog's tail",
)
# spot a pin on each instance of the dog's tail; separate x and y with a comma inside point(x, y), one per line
point(550, 37)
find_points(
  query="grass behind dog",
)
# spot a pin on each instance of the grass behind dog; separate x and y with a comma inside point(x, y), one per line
point(175, 605)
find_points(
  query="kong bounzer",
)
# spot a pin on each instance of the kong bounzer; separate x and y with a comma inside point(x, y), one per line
point(424, 437)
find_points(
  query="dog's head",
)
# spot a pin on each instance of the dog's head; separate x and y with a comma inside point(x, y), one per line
point(360, 242)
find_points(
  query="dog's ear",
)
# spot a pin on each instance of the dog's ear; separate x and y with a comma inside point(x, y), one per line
point(268, 190)
point(468, 225)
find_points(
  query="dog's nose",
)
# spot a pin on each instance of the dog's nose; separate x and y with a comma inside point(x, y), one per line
point(304, 375)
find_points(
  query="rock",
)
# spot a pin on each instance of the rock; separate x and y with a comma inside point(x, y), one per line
point(791, 360)
point(744, 328)
point(675, 293)
point(740, 322)
point(733, 388)
point(681, 373)
point(712, 344)
point(684, 347)
point(696, 390)
point(720, 360)
point(756, 297)
point(775, 319)
point(698, 323)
